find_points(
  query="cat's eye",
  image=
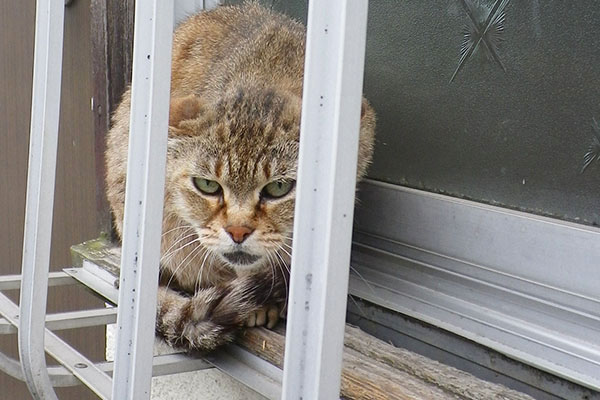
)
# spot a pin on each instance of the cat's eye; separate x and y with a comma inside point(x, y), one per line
point(207, 186)
point(277, 189)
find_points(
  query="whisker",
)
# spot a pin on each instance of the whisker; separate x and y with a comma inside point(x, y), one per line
point(181, 264)
point(269, 259)
point(285, 281)
point(167, 254)
point(358, 307)
point(176, 228)
point(352, 269)
point(280, 247)
point(199, 276)
point(283, 274)
point(196, 240)
point(287, 267)
point(198, 250)
point(280, 243)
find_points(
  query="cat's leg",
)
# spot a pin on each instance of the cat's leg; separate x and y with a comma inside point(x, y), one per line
point(270, 312)
point(213, 315)
point(185, 321)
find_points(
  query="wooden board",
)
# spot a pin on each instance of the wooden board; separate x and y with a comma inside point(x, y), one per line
point(111, 29)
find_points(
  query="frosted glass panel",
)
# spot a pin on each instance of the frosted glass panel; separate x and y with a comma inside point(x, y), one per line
point(514, 124)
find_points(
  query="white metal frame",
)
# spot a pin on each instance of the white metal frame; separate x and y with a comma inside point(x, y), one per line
point(75, 371)
point(335, 50)
point(43, 146)
point(144, 198)
point(327, 170)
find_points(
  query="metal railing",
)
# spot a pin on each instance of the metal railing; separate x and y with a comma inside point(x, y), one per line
point(331, 102)
point(323, 221)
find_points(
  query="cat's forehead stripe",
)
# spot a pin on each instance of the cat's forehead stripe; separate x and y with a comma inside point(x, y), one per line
point(220, 132)
point(229, 167)
point(256, 162)
point(267, 169)
point(218, 168)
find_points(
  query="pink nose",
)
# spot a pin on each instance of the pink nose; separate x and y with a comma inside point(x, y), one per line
point(239, 233)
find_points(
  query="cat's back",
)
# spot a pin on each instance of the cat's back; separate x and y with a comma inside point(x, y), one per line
point(246, 45)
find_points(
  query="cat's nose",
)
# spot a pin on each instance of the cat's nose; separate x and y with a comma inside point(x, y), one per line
point(239, 233)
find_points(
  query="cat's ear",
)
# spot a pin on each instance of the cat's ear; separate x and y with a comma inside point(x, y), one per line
point(365, 110)
point(184, 109)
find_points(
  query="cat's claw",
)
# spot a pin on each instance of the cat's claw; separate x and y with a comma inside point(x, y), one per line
point(265, 316)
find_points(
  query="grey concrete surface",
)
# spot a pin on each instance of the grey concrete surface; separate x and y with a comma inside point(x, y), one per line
point(210, 384)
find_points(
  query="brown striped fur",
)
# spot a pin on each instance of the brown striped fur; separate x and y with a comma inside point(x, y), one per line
point(235, 119)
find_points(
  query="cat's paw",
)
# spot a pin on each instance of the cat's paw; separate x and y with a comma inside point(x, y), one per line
point(265, 316)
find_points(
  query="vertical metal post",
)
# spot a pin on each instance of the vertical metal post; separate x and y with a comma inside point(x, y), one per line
point(325, 198)
point(144, 198)
point(43, 146)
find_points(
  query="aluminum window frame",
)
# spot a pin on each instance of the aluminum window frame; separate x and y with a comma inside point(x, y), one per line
point(492, 275)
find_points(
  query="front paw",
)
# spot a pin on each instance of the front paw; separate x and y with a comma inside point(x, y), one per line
point(265, 315)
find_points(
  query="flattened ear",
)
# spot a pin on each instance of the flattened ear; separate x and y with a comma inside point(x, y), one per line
point(184, 108)
point(365, 108)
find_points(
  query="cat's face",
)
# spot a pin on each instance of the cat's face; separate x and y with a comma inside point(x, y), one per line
point(232, 174)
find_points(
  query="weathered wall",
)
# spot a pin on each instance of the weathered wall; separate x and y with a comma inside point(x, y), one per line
point(75, 203)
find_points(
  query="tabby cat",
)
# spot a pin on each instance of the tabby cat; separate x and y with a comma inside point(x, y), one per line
point(234, 127)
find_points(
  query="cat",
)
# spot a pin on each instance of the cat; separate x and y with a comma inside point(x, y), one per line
point(234, 124)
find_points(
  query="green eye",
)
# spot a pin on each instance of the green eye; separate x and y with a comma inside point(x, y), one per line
point(277, 189)
point(207, 186)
